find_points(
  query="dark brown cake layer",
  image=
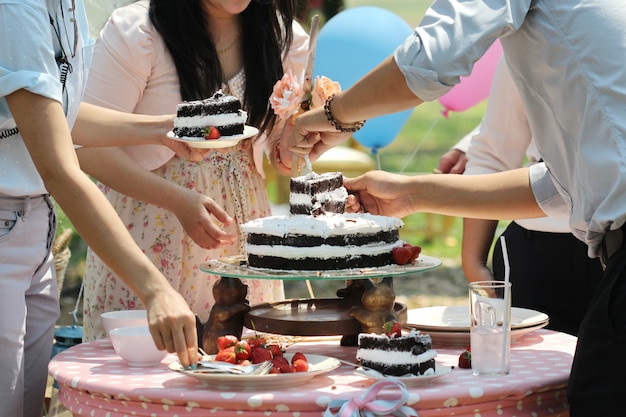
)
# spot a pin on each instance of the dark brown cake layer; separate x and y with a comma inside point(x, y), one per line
point(196, 132)
point(416, 345)
point(217, 104)
point(327, 181)
point(317, 209)
point(399, 370)
point(317, 264)
point(303, 241)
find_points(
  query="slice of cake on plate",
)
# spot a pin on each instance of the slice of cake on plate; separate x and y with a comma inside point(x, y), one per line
point(410, 354)
point(221, 111)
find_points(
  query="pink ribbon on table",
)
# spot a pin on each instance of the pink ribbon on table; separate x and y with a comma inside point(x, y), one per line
point(369, 406)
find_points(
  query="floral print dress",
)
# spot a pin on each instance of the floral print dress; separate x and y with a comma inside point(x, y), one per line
point(231, 179)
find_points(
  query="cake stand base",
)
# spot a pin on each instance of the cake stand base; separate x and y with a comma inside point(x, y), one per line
point(311, 317)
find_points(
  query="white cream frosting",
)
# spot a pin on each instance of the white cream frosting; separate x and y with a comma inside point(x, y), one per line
point(212, 120)
point(321, 251)
point(394, 357)
point(339, 194)
point(330, 224)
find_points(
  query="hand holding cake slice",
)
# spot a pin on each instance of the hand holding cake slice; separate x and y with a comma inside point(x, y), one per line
point(220, 111)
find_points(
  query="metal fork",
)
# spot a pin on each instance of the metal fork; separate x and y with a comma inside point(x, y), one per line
point(224, 367)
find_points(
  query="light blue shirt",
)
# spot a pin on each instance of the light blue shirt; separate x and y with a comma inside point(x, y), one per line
point(567, 58)
point(30, 43)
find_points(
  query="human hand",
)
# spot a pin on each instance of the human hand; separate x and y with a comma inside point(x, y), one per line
point(379, 192)
point(452, 162)
point(173, 325)
point(185, 151)
point(197, 214)
point(313, 135)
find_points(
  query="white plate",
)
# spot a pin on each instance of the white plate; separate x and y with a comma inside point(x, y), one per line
point(318, 365)
point(456, 318)
point(440, 370)
point(462, 338)
point(223, 142)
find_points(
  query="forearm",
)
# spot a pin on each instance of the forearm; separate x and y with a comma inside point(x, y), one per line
point(477, 239)
point(114, 167)
point(102, 230)
point(382, 91)
point(45, 132)
point(195, 212)
point(504, 195)
point(98, 126)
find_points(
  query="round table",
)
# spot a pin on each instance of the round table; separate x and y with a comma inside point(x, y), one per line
point(93, 381)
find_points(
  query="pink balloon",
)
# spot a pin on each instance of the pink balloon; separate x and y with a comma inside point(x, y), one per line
point(475, 88)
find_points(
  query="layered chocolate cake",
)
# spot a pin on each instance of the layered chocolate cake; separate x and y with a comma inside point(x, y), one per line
point(317, 194)
point(221, 111)
point(397, 355)
point(321, 236)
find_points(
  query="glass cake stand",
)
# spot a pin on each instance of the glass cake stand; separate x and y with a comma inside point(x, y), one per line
point(237, 267)
point(365, 303)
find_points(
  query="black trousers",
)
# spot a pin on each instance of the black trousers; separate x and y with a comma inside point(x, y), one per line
point(597, 384)
point(549, 272)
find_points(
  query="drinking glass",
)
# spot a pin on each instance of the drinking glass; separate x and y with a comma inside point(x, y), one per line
point(490, 327)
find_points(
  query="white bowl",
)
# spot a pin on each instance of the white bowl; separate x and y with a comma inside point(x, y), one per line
point(124, 318)
point(135, 345)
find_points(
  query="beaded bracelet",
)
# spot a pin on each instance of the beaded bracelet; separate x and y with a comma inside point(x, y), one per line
point(343, 129)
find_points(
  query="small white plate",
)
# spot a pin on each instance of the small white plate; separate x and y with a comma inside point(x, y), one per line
point(462, 338)
point(223, 142)
point(409, 380)
point(318, 365)
point(456, 318)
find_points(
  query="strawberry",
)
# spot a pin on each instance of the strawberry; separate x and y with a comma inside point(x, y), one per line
point(402, 255)
point(415, 250)
point(260, 354)
point(406, 253)
point(300, 365)
point(296, 356)
point(275, 370)
point(211, 133)
point(276, 350)
point(242, 350)
point(287, 369)
point(392, 328)
point(280, 361)
point(257, 342)
point(226, 355)
point(224, 342)
point(465, 359)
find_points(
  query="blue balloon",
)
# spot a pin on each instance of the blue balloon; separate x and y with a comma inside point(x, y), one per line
point(351, 44)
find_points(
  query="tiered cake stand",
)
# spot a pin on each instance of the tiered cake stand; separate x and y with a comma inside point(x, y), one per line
point(367, 301)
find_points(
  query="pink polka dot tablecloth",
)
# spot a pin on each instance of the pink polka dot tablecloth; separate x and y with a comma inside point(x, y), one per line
point(93, 381)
